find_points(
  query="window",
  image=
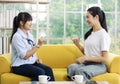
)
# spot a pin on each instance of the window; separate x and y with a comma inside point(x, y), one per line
point(65, 19)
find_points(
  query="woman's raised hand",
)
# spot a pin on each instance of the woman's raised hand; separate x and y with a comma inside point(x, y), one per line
point(76, 41)
point(40, 41)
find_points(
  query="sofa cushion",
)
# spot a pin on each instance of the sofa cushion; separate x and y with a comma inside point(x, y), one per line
point(112, 78)
point(109, 61)
point(4, 65)
point(12, 78)
point(60, 74)
point(58, 56)
point(115, 65)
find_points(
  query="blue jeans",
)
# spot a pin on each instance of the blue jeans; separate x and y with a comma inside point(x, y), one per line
point(33, 71)
point(87, 69)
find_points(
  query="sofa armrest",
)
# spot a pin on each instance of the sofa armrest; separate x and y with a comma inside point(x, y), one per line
point(110, 60)
point(5, 63)
point(115, 65)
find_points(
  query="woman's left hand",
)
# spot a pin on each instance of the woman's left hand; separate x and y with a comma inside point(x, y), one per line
point(39, 61)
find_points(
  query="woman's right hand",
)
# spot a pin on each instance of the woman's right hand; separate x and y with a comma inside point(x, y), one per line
point(81, 59)
point(40, 41)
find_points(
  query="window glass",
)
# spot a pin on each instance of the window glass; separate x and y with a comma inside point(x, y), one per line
point(73, 5)
point(107, 6)
point(56, 25)
point(73, 25)
point(8, 34)
point(17, 6)
point(118, 34)
point(56, 5)
point(118, 5)
point(0, 7)
point(110, 19)
point(89, 3)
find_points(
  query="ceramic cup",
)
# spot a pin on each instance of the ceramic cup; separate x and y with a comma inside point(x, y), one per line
point(77, 78)
point(43, 79)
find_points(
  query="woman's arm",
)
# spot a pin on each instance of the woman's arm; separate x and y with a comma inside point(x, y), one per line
point(76, 42)
point(102, 58)
point(31, 52)
point(80, 47)
point(34, 49)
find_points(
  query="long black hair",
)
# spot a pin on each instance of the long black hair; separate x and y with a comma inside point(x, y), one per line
point(102, 19)
point(22, 16)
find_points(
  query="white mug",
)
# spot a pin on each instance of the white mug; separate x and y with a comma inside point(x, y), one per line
point(43, 79)
point(77, 78)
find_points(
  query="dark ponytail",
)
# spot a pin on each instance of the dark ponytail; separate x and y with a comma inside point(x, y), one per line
point(103, 23)
point(22, 16)
point(15, 27)
point(102, 19)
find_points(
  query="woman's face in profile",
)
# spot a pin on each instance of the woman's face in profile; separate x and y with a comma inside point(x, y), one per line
point(28, 25)
point(90, 19)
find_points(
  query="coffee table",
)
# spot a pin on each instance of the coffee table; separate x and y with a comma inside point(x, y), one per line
point(61, 82)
